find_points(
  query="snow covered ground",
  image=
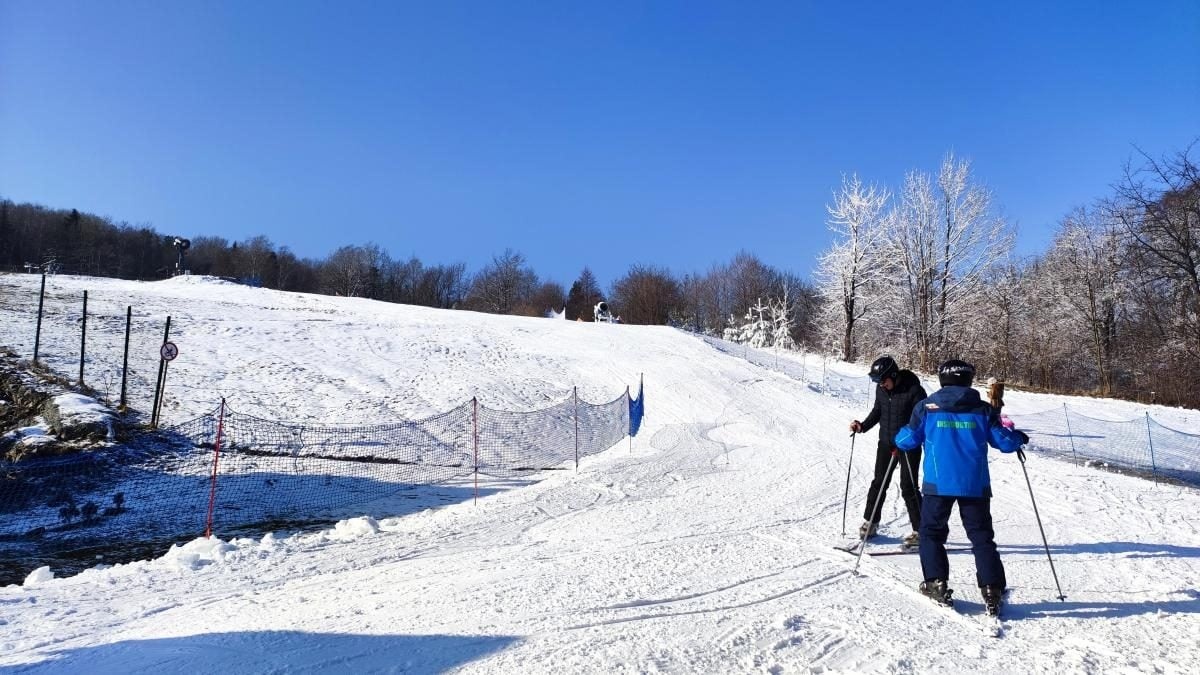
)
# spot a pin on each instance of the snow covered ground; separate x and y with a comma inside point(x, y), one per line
point(705, 545)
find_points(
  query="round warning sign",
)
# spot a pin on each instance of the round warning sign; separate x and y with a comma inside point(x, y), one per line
point(169, 351)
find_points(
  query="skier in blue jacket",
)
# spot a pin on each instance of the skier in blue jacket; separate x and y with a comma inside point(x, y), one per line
point(956, 426)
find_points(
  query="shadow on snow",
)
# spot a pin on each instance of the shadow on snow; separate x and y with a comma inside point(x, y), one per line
point(275, 651)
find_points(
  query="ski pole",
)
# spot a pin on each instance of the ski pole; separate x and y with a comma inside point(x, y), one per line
point(846, 499)
point(912, 479)
point(1021, 456)
point(862, 546)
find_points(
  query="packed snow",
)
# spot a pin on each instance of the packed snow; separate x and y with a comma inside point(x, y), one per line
point(705, 544)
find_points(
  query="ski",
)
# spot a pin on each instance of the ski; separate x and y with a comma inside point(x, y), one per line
point(992, 625)
point(853, 549)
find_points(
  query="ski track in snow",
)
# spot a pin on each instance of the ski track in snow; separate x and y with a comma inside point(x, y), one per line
point(702, 546)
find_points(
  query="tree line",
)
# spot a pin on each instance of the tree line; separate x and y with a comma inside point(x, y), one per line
point(34, 237)
point(1112, 308)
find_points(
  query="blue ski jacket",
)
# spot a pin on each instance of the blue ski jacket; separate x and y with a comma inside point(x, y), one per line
point(956, 427)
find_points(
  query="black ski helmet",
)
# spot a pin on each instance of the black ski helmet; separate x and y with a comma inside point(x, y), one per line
point(956, 373)
point(883, 368)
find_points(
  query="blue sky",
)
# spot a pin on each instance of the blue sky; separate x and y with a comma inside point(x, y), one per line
point(601, 134)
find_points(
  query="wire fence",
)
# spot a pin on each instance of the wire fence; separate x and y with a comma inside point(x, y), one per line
point(89, 348)
point(231, 473)
point(1141, 446)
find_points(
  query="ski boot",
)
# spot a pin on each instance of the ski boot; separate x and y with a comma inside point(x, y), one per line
point(936, 590)
point(993, 595)
point(910, 541)
point(867, 529)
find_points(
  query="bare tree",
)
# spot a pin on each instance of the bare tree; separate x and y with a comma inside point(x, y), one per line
point(1158, 204)
point(503, 285)
point(352, 271)
point(645, 295)
point(546, 298)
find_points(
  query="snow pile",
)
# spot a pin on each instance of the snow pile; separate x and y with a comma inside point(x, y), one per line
point(355, 528)
point(198, 553)
point(77, 416)
point(39, 576)
point(29, 437)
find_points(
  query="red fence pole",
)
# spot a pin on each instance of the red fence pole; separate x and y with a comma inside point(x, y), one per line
point(212, 492)
point(475, 417)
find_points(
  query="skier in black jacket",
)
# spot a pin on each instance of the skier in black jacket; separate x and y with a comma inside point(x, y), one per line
point(898, 393)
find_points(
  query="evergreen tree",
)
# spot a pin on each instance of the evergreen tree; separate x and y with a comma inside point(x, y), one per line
point(583, 296)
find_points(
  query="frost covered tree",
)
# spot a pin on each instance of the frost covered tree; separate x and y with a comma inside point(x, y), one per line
point(1086, 261)
point(782, 320)
point(757, 329)
point(943, 244)
point(850, 265)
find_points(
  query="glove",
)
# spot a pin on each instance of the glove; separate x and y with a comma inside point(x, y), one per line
point(856, 426)
point(1021, 436)
point(1006, 422)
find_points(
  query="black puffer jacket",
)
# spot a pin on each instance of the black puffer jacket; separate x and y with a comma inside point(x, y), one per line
point(893, 408)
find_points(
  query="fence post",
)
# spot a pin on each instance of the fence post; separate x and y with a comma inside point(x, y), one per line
point(1150, 438)
point(212, 492)
point(158, 380)
point(1070, 436)
point(37, 335)
point(628, 399)
point(83, 339)
point(125, 360)
point(575, 394)
point(475, 443)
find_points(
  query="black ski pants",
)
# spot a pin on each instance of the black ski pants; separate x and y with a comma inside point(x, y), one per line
point(976, 514)
point(907, 463)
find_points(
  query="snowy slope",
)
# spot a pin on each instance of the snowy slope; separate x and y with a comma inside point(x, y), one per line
point(703, 546)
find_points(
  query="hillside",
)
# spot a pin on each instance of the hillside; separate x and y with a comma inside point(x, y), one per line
point(704, 545)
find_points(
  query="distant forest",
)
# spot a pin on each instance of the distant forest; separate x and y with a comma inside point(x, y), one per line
point(34, 237)
point(924, 272)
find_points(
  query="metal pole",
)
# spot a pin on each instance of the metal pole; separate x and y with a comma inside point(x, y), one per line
point(1153, 464)
point(162, 365)
point(846, 498)
point(37, 336)
point(83, 339)
point(125, 360)
point(162, 396)
point(1021, 456)
point(862, 546)
point(1070, 436)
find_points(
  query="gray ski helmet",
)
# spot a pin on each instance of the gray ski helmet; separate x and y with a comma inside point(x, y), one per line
point(883, 368)
point(956, 373)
